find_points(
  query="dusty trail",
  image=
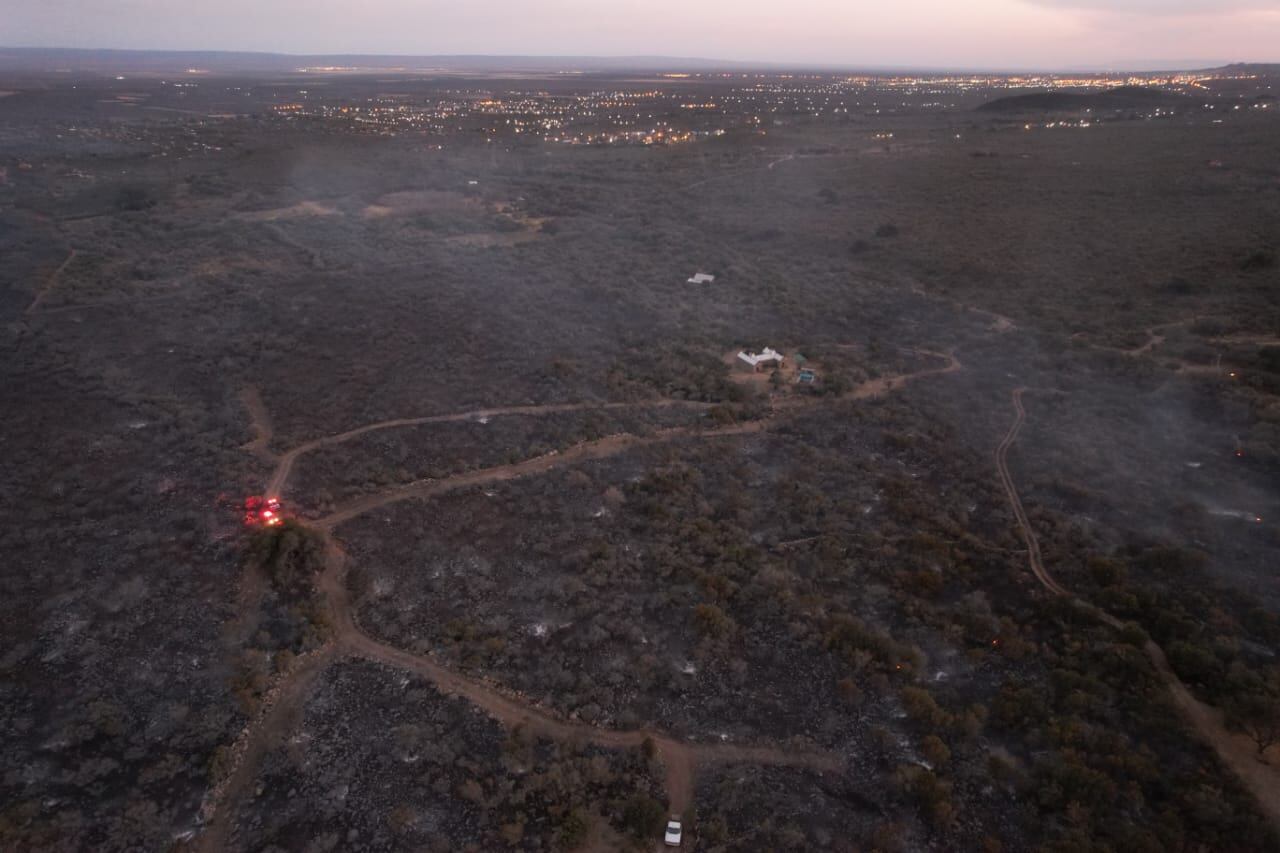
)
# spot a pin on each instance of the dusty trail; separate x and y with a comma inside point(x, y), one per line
point(680, 760)
point(1248, 340)
point(281, 475)
point(1235, 751)
point(109, 303)
point(51, 282)
point(767, 167)
point(1156, 338)
point(278, 716)
point(1011, 491)
point(872, 388)
point(260, 422)
point(1153, 340)
point(599, 449)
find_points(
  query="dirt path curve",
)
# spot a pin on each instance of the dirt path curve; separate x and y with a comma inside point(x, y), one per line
point(109, 303)
point(680, 760)
point(1246, 339)
point(1011, 491)
point(51, 282)
point(1154, 339)
point(599, 449)
point(260, 422)
point(285, 701)
point(767, 167)
point(277, 717)
point(1235, 751)
point(280, 476)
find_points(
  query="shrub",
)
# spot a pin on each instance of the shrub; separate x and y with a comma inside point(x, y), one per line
point(573, 830)
point(643, 817)
point(133, 198)
point(1258, 260)
point(711, 621)
point(289, 554)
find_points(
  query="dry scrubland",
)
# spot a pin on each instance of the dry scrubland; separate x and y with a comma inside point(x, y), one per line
point(829, 573)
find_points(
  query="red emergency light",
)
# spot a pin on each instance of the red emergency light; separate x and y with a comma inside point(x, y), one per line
point(264, 511)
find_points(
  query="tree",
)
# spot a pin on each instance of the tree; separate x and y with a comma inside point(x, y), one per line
point(643, 817)
point(133, 198)
point(1257, 714)
point(573, 830)
point(289, 554)
point(711, 621)
point(935, 751)
point(921, 707)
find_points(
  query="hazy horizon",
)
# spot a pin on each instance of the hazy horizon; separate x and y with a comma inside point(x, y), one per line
point(672, 62)
point(924, 34)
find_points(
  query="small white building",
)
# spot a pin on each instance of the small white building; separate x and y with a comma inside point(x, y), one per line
point(766, 359)
point(702, 278)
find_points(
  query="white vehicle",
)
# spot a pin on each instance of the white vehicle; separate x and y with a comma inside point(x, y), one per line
point(672, 838)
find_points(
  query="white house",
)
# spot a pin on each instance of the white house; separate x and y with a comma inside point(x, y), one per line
point(702, 278)
point(766, 359)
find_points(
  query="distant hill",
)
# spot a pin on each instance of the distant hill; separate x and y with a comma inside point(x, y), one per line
point(1124, 97)
point(168, 61)
point(1262, 69)
point(108, 61)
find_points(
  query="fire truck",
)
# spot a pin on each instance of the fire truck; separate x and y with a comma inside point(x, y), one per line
point(262, 511)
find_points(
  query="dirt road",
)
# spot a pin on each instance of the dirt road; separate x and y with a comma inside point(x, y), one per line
point(50, 283)
point(599, 449)
point(767, 167)
point(1011, 491)
point(260, 423)
point(278, 716)
point(680, 760)
point(280, 477)
point(1235, 751)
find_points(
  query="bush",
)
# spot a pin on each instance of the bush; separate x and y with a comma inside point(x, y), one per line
point(134, 198)
point(643, 817)
point(289, 554)
point(573, 830)
point(711, 621)
point(1259, 260)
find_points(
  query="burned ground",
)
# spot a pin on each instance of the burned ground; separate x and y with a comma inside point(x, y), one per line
point(845, 576)
point(379, 760)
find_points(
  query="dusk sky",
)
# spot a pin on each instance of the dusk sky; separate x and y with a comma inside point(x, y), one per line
point(934, 33)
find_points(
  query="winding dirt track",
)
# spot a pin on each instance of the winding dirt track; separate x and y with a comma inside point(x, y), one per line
point(260, 421)
point(50, 283)
point(1235, 751)
point(1024, 523)
point(767, 167)
point(284, 703)
point(280, 477)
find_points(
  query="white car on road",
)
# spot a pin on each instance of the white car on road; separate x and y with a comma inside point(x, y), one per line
point(672, 838)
